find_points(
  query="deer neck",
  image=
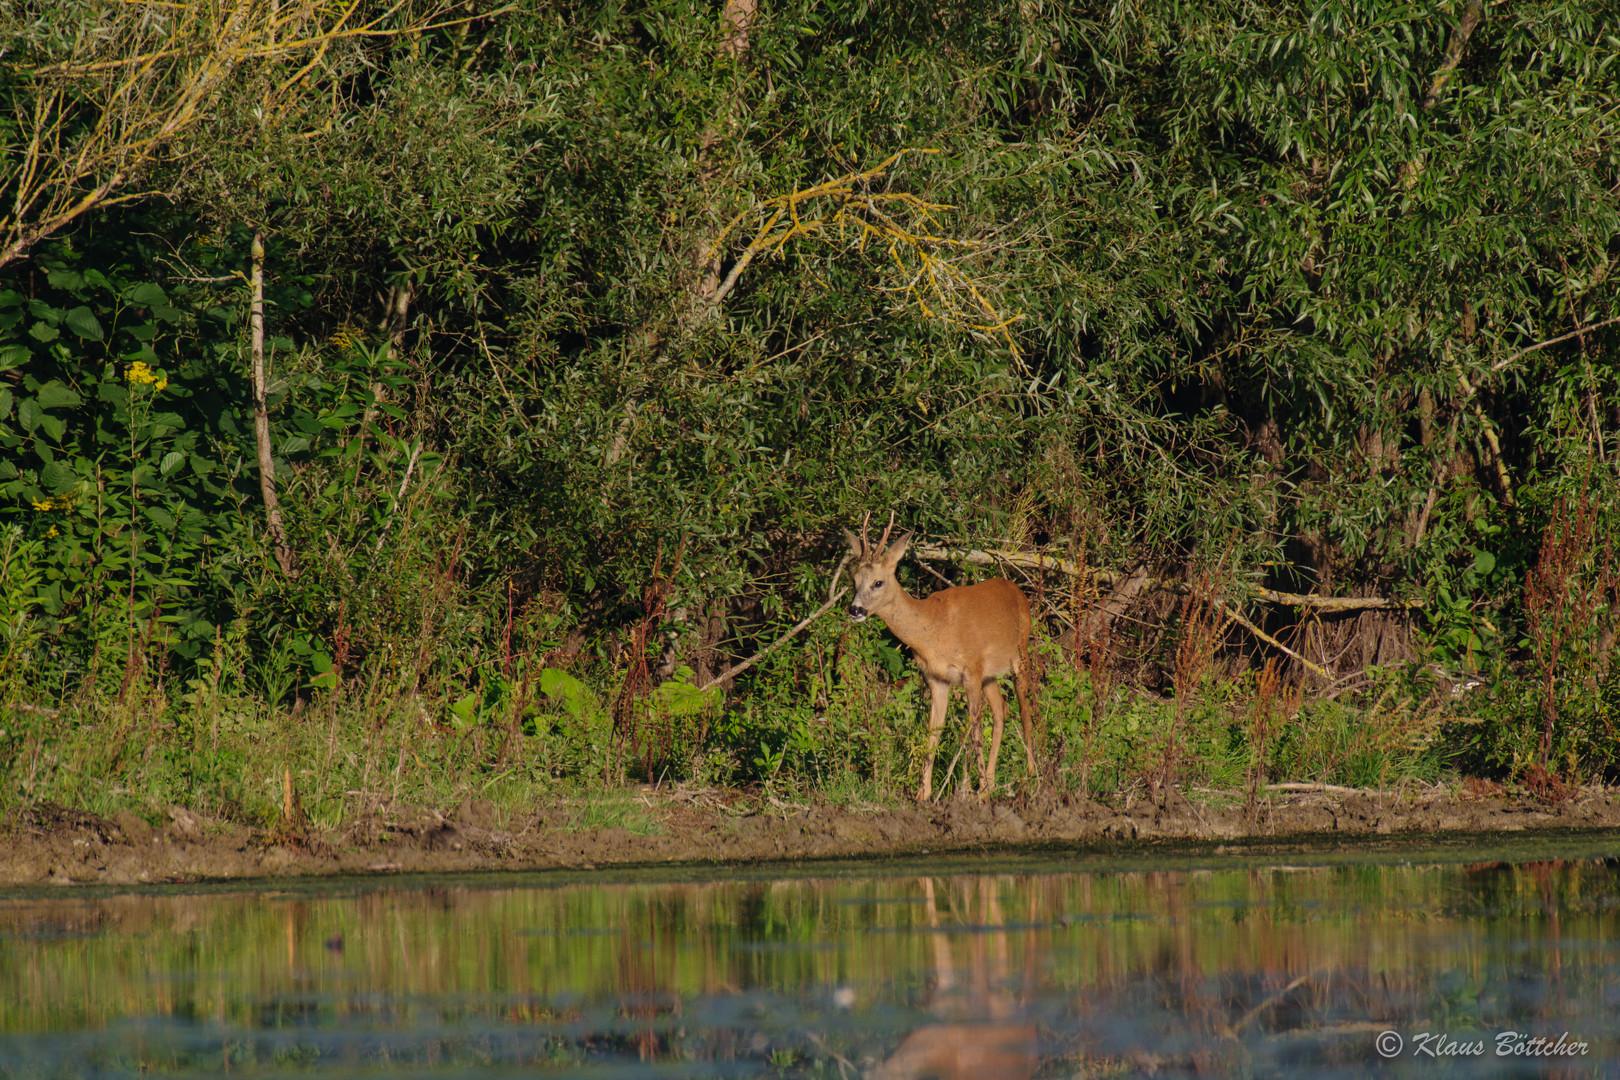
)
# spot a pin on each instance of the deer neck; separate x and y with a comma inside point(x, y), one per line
point(907, 617)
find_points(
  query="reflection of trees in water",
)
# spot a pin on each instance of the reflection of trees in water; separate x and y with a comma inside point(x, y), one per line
point(1163, 969)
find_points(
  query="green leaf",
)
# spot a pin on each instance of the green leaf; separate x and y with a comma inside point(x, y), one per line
point(53, 395)
point(65, 279)
point(58, 478)
point(97, 278)
point(464, 712)
point(29, 414)
point(82, 321)
point(40, 332)
point(198, 627)
point(574, 696)
point(13, 356)
point(171, 461)
point(679, 697)
point(147, 294)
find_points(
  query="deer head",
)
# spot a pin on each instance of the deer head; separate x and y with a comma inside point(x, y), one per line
point(875, 586)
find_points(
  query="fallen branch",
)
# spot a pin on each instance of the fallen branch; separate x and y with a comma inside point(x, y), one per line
point(832, 598)
point(1107, 578)
point(1331, 789)
point(1237, 617)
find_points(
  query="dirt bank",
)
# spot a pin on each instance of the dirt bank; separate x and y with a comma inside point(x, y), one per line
point(53, 845)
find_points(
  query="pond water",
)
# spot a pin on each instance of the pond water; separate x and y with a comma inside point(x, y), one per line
point(1471, 959)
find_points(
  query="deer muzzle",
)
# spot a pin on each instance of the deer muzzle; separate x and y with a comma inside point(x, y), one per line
point(858, 613)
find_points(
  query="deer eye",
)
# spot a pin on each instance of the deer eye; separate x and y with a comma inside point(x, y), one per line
point(877, 584)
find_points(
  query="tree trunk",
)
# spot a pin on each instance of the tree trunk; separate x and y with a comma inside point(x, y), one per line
point(261, 417)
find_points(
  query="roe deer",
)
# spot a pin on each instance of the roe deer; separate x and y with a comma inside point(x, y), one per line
point(967, 635)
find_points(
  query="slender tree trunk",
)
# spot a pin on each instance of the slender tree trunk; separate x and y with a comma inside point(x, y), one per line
point(705, 288)
point(261, 417)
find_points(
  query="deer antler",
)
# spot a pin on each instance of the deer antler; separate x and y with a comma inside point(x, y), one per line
point(884, 543)
point(866, 541)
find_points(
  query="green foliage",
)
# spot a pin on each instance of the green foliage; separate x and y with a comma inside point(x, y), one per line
point(1322, 295)
point(20, 576)
point(113, 463)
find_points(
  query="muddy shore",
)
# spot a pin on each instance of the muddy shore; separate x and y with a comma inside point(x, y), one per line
point(56, 846)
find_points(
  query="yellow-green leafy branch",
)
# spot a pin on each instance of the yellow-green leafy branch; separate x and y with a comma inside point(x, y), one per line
point(846, 210)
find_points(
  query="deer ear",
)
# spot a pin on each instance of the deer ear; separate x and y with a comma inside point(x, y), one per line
point(856, 548)
point(897, 549)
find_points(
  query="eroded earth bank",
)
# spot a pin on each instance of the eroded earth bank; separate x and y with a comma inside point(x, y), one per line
point(52, 845)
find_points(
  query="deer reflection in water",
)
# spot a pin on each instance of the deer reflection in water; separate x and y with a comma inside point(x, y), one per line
point(982, 1032)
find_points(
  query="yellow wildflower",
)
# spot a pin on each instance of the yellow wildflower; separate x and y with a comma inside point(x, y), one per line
point(52, 502)
point(49, 533)
point(140, 373)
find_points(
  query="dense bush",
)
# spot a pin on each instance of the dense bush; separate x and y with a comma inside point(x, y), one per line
point(588, 328)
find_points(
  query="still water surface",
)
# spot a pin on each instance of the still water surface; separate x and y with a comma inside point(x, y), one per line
point(1453, 959)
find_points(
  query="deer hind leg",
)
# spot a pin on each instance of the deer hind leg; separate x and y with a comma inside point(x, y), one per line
point(998, 713)
point(1021, 684)
point(939, 695)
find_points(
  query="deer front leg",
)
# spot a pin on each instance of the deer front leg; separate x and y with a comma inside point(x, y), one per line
point(998, 712)
point(939, 696)
point(975, 729)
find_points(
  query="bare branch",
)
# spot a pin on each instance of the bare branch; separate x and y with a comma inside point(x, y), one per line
point(737, 669)
point(1508, 359)
point(1239, 618)
point(261, 417)
point(98, 121)
point(1039, 562)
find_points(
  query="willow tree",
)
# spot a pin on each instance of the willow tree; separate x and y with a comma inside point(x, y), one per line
point(96, 97)
point(109, 105)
